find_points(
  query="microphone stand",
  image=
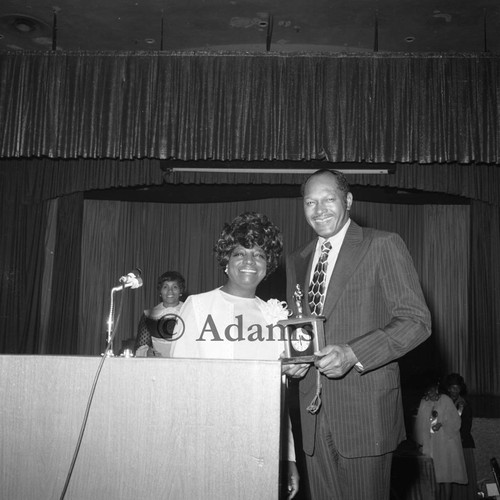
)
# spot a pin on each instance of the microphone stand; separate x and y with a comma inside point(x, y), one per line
point(132, 280)
point(110, 332)
point(108, 353)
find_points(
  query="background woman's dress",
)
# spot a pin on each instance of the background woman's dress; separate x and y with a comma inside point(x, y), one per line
point(444, 446)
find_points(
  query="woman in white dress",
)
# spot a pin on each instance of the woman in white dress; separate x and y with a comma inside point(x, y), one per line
point(437, 430)
point(231, 322)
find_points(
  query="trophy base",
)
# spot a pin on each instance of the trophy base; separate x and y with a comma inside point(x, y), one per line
point(299, 360)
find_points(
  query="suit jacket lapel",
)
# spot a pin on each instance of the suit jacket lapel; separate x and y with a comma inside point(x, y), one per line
point(351, 253)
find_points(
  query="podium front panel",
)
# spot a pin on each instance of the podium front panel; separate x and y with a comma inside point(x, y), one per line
point(157, 428)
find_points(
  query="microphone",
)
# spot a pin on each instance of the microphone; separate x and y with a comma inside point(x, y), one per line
point(132, 279)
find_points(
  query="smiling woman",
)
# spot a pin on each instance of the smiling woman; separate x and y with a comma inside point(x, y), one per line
point(231, 322)
point(245, 269)
point(156, 325)
point(248, 250)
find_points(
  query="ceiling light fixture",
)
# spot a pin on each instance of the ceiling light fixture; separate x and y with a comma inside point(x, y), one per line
point(287, 171)
point(24, 25)
point(286, 167)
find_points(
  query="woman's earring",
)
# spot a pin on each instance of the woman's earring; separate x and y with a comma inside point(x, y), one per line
point(227, 267)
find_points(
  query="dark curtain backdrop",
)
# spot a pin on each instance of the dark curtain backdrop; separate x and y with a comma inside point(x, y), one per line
point(118, 236)
point(72, 122)
point(191, 106)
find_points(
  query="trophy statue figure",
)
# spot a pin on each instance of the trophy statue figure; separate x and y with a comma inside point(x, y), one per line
point(304, 335)
point(297, 296)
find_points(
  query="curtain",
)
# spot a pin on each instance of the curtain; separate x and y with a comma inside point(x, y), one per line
point(47, 277)
point(119, 236)
point(22, 238)
point(437, 237)
point(65, 303)
point(198, 106)
point(484, 299)
point(47, 178)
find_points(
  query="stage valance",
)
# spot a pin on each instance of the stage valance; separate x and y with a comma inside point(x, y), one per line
point(429, 108)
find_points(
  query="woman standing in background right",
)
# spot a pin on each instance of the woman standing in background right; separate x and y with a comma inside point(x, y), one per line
point(455, 387)
point(437, 430)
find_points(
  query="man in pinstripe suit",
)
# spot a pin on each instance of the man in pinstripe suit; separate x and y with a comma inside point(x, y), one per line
point(375, 313)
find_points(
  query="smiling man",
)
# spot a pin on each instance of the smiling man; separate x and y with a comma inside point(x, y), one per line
point(365, 285)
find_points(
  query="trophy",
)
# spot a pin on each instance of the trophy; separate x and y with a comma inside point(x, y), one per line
point(304, 335)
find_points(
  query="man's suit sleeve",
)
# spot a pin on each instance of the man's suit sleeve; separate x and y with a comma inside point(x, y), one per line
point(410, 322)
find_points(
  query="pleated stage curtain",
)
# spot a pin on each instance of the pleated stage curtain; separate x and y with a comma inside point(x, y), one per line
point(431, 108)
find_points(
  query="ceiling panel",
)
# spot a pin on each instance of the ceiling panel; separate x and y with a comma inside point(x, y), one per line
point(297, 25)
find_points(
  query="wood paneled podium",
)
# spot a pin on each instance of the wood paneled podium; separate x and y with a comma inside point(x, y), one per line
point(157, 429)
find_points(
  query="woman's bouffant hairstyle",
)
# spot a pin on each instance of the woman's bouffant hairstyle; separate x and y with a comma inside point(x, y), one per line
point(248, 230)
point(171, 276)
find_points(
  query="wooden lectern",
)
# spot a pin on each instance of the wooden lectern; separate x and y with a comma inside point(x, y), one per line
point(157, 429)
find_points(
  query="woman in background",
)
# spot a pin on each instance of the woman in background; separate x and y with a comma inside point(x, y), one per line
point(231, 322)
point(157, 324)
point(455, 387)
point(437, 430)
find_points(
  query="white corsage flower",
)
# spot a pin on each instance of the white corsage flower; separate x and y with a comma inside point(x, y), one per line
point(277, 310)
